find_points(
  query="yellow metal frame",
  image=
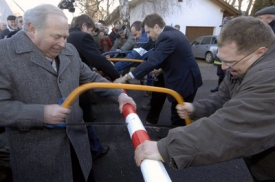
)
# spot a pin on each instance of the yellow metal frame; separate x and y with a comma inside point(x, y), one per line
point(79, 90)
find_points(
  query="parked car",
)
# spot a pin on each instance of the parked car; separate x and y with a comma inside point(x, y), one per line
point(205, 47)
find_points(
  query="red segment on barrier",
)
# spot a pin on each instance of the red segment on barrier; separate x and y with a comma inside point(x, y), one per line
point(128, 109)
point(139, 137)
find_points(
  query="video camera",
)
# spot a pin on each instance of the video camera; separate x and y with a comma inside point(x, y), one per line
point(67, 4)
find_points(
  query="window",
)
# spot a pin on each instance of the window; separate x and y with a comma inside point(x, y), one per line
point(206, 40)
point(214, 40)
point(197, 41)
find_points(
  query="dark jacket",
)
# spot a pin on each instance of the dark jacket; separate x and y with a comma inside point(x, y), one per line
point(89, 53)
point(173, 54)
point(113, 35)
point(6, 32)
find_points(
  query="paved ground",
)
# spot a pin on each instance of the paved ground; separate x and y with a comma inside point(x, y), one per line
point(118, 164)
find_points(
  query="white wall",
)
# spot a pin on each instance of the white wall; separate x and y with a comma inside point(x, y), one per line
point(202, 13)
point(5, 11)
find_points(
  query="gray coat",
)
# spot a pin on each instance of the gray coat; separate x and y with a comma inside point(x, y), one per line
point(237, 121)
point(128, 44)
point(27, 83)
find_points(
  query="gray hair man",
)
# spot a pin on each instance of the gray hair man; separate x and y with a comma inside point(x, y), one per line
point(40, 68)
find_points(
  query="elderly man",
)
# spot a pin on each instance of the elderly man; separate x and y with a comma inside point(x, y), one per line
point(267, 15)
point(35, 77)
point(12, 26)
point(238, 120)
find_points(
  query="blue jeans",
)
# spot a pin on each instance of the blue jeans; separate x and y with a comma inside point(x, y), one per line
point(119, 66)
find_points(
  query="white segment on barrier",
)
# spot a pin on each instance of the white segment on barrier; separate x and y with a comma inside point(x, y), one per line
point(134, 123)
point(154, 171)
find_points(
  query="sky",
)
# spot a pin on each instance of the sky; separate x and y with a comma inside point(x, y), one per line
point(32, 3)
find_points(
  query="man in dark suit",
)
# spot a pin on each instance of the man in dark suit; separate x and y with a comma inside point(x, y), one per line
point(80, 36)
point(174, 56)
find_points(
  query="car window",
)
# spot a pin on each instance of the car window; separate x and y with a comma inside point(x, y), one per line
point(197, 41)
point(214, 40)
point(206, 40)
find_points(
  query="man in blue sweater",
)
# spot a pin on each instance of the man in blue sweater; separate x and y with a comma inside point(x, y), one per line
point(142, 46)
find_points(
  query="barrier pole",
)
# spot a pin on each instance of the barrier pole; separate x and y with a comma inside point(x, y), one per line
point(152, 170)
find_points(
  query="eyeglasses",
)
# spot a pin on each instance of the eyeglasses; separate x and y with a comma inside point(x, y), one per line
point(20, 21)
point(236, 62)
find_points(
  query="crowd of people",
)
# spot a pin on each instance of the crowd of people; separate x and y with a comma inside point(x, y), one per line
point(236, 121)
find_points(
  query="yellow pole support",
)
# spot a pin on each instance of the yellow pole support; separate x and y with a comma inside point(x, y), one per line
point(125, 60)
point(79, 90)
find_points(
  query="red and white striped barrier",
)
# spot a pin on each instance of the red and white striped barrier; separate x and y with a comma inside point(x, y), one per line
point(152, 170)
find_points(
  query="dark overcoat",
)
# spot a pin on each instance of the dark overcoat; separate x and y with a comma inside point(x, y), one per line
point(27, 83)
point(90, 54)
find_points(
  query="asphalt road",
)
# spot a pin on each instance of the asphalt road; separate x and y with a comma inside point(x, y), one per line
point(119, 165)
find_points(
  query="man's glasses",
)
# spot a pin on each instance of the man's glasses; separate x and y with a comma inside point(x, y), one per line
point(20, 21)
point(236, 62)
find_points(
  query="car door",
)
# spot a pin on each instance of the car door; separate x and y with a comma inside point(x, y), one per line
point(204, 46)
point(195, 47)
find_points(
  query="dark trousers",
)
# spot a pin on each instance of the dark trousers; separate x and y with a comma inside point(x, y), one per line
point(77, 172)
point(85, 102)
point(262, 166)
point(175, 119)
point(157, 101)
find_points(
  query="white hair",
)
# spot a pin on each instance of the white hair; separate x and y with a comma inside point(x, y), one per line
point(38, 16)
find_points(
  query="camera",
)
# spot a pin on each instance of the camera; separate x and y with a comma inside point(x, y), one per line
point(67, 4)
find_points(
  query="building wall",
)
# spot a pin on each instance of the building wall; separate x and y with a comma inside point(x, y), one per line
point(5, 11)
point(199, 13)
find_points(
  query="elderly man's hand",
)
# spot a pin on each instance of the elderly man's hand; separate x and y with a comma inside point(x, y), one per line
point(125, 99)
point(186, 110)
point(121, 80)
point(147, 150)
point(54, 114)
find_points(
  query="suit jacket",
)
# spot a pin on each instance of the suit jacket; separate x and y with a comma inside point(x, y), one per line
point(27, 83)
point(90, 54)
point(173, 54)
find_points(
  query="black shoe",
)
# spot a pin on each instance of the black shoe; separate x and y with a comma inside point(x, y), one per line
point(104, 151)
point(146, 107)
point(215, 89)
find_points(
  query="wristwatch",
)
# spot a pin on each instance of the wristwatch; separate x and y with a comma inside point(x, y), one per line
point(128, 77)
